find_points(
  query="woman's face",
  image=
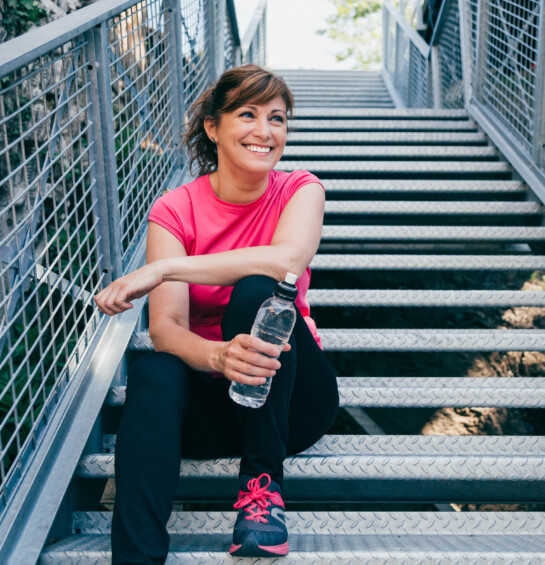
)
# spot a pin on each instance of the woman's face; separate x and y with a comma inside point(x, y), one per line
point(252, 137)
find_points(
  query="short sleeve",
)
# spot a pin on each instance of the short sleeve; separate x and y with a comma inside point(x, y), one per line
point(296, 180)
point(164, 213)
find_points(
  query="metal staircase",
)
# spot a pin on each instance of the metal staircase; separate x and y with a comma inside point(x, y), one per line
point(408, 192)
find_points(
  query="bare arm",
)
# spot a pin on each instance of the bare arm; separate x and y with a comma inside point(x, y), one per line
point(293, 246)
point(169, 326)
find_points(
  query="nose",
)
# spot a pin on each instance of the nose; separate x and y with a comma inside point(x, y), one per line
point(262, 128)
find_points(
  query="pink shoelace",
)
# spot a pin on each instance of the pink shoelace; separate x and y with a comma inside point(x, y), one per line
point(257, 499)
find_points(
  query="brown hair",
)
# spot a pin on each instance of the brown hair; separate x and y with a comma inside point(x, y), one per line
point(235, 87)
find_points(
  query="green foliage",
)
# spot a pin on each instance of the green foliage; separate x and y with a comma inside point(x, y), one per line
point(356, 23)
point(17, 16)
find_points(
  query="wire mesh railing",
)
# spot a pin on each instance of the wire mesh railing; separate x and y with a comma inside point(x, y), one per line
point(504, 41)
point(91, 112)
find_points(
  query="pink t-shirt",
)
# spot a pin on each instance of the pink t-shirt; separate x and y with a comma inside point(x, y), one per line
point(205, 224)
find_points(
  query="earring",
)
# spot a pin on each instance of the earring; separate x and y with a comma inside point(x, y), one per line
point(212, 140)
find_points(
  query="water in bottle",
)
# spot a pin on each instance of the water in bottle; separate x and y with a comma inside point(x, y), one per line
point(274, 323)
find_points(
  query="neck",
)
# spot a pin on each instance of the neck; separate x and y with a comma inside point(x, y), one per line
point(238, 187)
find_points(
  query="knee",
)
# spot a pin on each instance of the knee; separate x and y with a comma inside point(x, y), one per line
point(157, 374)
point(252, 291)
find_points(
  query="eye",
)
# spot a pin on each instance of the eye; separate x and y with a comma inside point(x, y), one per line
point(247, 112)
point(280, 119)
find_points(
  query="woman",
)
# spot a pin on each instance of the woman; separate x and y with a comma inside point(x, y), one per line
point(215, 249)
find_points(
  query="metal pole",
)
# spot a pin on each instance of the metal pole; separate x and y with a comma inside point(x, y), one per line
point(220, 37)
point(480, 67)
point(103, 120)
point(211, 38)
point(436, 76)
point(465, 48)
point(538, 149)
point(177, 82)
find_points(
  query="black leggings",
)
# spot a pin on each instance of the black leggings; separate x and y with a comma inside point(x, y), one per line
point(172, 411)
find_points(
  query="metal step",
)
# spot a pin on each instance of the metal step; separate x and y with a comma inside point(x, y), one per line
point(353, 538)
point(440, 233)
point(439, 208)
point(335, 262)
point(374, 138)
point(414, 114)
point(426, 298)
point(432, 340)
point(400, 186)
point(396, 340)
point(385, 168)
point(365, 468)
point(389, 152)
point(417, 392)
point(313, 103)
point(382, 125)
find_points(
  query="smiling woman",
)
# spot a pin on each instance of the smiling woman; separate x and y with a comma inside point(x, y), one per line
point(216, 247)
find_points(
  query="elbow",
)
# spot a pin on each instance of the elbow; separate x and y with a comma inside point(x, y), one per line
point(287, 261)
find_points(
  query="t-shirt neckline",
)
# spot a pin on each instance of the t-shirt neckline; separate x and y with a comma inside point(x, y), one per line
point(232, 205)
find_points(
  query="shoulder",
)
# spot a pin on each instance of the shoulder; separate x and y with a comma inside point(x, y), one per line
point(294, 179)
point(178, 198)
point(286, 184)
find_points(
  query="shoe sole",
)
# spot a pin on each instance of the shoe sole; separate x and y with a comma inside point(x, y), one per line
point(251, 549)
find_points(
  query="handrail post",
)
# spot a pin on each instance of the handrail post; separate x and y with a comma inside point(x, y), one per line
point(211, 39)
point(106, 192)
point(480, 67)
point(436, 77)
point(467, 62)
point(177, 82)
point(538, 148)
point(219, 57)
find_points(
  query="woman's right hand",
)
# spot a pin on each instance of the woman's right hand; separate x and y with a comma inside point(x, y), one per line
point(248, 360)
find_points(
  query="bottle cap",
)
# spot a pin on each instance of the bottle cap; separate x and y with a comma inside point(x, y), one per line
point(290, 278)
point(287, 289)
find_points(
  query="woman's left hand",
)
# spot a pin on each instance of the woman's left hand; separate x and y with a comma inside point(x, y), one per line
point(116, 297)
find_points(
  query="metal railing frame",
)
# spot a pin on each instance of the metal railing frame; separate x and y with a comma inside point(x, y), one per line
point(44, 475)
point(528, 162)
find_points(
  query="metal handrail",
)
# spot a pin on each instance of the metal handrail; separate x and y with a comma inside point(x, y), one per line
point(411, 33)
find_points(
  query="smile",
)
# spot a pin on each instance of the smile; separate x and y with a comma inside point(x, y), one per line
point(258, 149)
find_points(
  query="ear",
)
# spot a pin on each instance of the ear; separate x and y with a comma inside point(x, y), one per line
point(209, 127)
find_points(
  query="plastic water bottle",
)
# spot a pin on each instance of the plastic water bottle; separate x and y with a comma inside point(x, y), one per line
point(274, 323)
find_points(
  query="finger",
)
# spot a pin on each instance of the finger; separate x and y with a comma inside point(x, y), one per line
point(252, 370)
point(258, 359)
point(252, 342)
point(245, 379)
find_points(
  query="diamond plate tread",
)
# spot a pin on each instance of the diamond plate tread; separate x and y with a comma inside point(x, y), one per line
point(211, 549)
point(431, 186)
point(473, 167)
point(440, 208)
point(400, 458)
point(343, 104)
point(428, 262)
point(368, 391)
point(370, 138)
point(410, 340)
point(382, 125)
point(432, 340)
point(419, 298)
point(389, 151)
point(420, 392)
point(399, 113)
point(345, 523)
point(434, 233)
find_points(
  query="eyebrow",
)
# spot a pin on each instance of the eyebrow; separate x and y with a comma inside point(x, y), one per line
point(255, 108)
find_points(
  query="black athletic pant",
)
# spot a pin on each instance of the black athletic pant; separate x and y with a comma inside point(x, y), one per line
point(172, 411)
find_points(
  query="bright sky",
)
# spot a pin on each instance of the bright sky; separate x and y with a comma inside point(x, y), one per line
point(292, 41)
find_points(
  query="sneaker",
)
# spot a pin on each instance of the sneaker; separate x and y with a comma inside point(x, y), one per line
point(260, 529)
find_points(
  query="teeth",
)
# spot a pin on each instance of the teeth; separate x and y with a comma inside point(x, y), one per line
point(258, 149)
